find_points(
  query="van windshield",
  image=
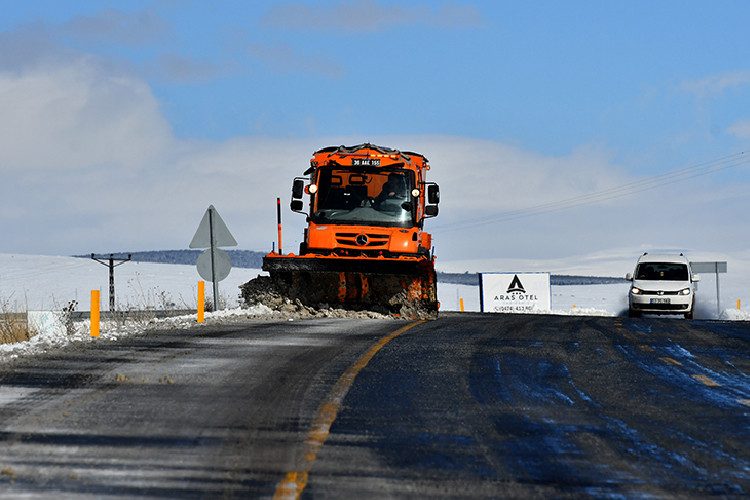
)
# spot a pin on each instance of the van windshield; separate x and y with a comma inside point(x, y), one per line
point(663, 271)
point(379, 197)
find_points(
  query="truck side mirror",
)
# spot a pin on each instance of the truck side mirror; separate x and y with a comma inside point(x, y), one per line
point(431, 210)
point(298, 189)
point(296, 205)
point(433, 194)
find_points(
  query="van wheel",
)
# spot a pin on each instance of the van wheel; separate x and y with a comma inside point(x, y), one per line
point(689, 315)
point(633, 313)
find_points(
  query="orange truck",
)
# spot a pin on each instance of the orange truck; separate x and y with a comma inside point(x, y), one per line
point(364, 246)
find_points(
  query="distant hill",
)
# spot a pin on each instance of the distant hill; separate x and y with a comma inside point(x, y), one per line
point(240, 258)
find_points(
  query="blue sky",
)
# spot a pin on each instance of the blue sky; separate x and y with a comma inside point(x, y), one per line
point(124, 120)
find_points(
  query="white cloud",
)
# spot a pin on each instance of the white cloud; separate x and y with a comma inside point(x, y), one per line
point(285, 58)
point(40, 43)
point(174, 67)
point(76, 116)
point(369, 16)
point(716, 84)
point(489, 175)
point(128, 28)
point(740, 129)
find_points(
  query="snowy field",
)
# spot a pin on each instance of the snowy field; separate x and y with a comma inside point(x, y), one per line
point(34, 282)
point(43, 283)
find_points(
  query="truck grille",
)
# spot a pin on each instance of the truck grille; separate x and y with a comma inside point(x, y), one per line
point(373, 240)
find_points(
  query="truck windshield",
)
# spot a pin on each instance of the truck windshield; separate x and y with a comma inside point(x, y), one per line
point(364, 197)
point(664, 271)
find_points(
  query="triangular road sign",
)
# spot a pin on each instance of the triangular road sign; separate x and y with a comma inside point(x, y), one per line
point(212, 222)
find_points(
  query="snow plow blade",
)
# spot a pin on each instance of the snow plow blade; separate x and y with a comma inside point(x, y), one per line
point(405, 287)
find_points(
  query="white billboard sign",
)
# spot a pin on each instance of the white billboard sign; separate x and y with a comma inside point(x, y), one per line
point(515, 292)
point(709, 267)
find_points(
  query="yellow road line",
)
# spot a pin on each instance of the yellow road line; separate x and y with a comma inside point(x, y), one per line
point(295, 481)
point(704, 379)
point(671, 361)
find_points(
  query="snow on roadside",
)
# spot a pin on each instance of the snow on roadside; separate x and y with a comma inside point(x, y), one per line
point(583, 311)
point(111, 331)
point(56, 336)
point(735, 315)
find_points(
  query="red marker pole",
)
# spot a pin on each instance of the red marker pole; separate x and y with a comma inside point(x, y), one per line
point(278, 220)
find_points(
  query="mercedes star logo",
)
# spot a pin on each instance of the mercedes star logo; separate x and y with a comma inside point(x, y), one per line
point(361, 240)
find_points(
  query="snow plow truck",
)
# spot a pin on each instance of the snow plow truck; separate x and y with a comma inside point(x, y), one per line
point(364, 246)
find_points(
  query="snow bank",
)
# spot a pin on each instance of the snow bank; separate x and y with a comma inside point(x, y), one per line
point(735, 315)
point(110, 331)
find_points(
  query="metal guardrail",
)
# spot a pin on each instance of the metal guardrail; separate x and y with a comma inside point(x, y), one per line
point(15, 327)
point(108, 315)
point(133, 314)
point(12, 316)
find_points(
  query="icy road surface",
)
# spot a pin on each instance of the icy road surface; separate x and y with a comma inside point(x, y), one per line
point(467, 406)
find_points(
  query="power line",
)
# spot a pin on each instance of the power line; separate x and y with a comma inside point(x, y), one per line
point(623, 190)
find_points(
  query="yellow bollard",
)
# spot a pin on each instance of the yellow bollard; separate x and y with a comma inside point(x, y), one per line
point(201, 300)
point(461, 301)
point(95, 313)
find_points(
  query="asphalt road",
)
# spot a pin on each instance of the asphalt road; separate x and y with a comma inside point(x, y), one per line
point(468, 406)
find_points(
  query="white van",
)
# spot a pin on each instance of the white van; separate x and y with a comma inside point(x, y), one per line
point(662, 284)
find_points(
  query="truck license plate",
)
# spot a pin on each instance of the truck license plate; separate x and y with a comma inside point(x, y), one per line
point(661, 301)
point(365, 162)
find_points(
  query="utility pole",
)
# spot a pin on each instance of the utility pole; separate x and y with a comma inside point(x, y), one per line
point(112, 267)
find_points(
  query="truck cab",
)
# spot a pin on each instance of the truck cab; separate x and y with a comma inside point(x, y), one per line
point(366, 201)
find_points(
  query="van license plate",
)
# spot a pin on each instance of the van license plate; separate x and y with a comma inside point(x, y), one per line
point(661, 301)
